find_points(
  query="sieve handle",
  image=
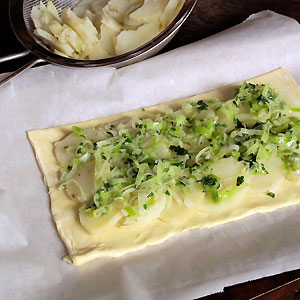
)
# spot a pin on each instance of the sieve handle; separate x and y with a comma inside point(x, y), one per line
point(23, 68)
point(14, 56)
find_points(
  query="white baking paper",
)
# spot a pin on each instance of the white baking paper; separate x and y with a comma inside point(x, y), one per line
point(190, 265)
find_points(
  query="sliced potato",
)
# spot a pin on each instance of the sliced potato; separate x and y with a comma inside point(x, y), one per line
point(36, 15)
point(107, 40)
point(110, 22)
point(98, 52)
point(130, 39)
point(118, 9)
point(136, 2)
point(42, 15)
point(150, 11)
point(65, 34)
point(88, 14)
point(97, 21)
point(47, 16)
point(84, 27)
point(53, 42)
point(97, 225)
point(228, 169)
point(128, 23)
point(73, 141)
point(97, 29)
point(68, 35)
point(293, 176)
point(207, 205)
point(80, 9)
point(81, 187)
point(97, 6)
point(55, 28)
point(269, 182)
point(93, 6)
point(170, 12)
point(154, 212)
point(184, 201)
point(53, 11)
point(61, 54)
point(102, 169)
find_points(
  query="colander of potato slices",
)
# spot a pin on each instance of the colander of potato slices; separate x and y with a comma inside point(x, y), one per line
point(93, 33)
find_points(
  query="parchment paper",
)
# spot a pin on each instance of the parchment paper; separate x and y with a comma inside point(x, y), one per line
point(190, 265)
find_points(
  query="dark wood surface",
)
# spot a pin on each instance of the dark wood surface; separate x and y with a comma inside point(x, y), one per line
point(209, 17)
point(285, 286)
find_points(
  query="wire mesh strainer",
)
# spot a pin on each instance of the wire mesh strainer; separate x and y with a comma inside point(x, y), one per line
point(20, 20)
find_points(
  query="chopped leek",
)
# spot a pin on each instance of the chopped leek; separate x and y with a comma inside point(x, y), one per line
point(138, 163)
point(78, 131)
point(130, 211)
point(239, 180)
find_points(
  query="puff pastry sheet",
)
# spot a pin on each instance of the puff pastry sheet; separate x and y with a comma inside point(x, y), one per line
point(83, 247)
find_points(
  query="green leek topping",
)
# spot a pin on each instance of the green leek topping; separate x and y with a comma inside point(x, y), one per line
point(159, 154)
point(239, 180)
point(78, 131)
point(272, 195)
point(130, 211)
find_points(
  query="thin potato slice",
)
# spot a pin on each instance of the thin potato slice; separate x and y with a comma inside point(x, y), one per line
point(131, 39)
point(150, 11)
point(99, 225)
point(272, 180)
point(171, 11)
point(92, 27)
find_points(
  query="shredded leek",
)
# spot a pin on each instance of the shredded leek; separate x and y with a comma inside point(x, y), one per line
point(161, 154)
point(239, 180)
point(272, 195)
point(78, 131)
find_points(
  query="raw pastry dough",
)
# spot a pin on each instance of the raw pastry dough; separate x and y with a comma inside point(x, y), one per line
point(83, 247)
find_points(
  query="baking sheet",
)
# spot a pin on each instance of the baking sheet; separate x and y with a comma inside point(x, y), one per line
point(190, 265)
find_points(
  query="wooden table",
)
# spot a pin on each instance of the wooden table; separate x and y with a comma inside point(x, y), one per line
point(208, 17)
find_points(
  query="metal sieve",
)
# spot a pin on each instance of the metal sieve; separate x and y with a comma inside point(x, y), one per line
point(20, 20)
